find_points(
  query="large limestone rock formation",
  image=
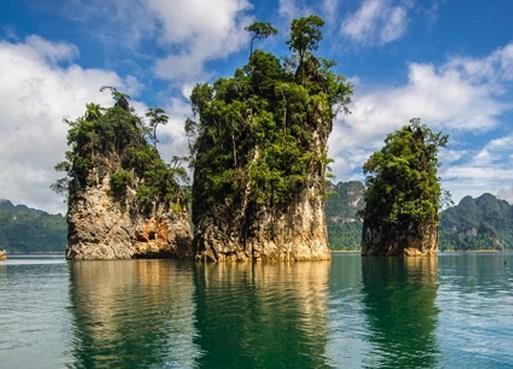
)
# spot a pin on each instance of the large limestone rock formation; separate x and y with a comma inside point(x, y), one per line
point(102, 228)
point(293, 235)
point(260, 153)
point(416, 241)
point(238, 230)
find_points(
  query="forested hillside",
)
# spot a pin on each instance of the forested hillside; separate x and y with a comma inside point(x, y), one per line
point(482, 223)
point(23, 229)
point(344, 201)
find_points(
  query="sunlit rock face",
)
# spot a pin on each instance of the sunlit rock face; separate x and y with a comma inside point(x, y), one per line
point(418, 241)
point(102, 228)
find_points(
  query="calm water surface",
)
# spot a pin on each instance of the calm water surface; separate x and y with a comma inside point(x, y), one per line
point(454, 312)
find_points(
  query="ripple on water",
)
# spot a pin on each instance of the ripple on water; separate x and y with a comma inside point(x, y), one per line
point(450, 312)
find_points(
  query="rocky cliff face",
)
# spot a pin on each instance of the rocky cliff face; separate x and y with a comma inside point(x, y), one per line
point(379, 241)
point(102, 228)
point(123, 200)
point(259, 140)
point(296, 234)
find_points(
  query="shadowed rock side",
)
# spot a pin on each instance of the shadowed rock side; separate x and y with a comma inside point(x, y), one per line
point(421, 241)
point(399, 301)
point(124, 201)
point(279, 320)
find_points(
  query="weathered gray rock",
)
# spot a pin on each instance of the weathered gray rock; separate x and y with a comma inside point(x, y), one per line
point(415, 241)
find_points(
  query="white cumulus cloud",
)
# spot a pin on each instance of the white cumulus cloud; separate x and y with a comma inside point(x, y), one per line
point(376, 21)
point(202, 30)
point(40, 86)
point(463, 96)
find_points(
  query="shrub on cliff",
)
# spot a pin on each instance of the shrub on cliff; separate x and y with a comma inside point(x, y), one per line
point(403, 188)
point(115, 141)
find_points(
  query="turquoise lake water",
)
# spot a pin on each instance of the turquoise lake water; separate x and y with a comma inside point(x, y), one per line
point(454, 312)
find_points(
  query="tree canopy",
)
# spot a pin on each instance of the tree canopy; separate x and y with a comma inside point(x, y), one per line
point(403, 188)
point(252, 132)
point(260, 30)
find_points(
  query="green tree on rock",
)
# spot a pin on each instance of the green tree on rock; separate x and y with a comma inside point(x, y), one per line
point(403, 195)
point(260, 31)
point(157, 117)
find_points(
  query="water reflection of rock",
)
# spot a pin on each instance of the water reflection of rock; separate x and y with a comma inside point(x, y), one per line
point(399, 301)
point(262, 315)
point(132, 314)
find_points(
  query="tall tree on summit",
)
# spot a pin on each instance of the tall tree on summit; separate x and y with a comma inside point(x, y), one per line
point(260, 30)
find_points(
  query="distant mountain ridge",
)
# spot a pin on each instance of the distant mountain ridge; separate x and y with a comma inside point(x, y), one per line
point(481, 223)
point(344, 202)
point(23, 229)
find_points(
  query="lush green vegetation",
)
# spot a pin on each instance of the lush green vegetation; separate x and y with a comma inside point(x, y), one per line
point(116, 138)
point(482, 223)
point(344, 202)
point(24, 230)
point(252, 133)
point(403, 188)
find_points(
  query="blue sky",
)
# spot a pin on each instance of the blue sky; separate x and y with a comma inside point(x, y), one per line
point(448, 62)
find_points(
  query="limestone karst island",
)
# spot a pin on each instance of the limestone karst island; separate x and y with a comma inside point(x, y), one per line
point(256, 185)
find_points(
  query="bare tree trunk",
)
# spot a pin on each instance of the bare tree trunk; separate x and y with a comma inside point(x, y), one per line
point(155, 136)
point(234, 151)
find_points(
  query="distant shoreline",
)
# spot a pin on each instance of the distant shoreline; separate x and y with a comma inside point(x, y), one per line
point(345, 251)
point(36, 253)
point(460, 251)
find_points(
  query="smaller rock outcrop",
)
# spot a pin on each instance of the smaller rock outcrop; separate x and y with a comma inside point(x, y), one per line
point(3, 255)
point(123, 200)
point(102, 228)
point(403, 194)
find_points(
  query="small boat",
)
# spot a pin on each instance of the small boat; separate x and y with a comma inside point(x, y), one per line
point(3, 255)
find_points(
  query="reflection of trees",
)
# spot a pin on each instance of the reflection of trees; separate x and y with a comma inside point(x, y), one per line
point(399, 301)
point(132, 314)
point(262, 315)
